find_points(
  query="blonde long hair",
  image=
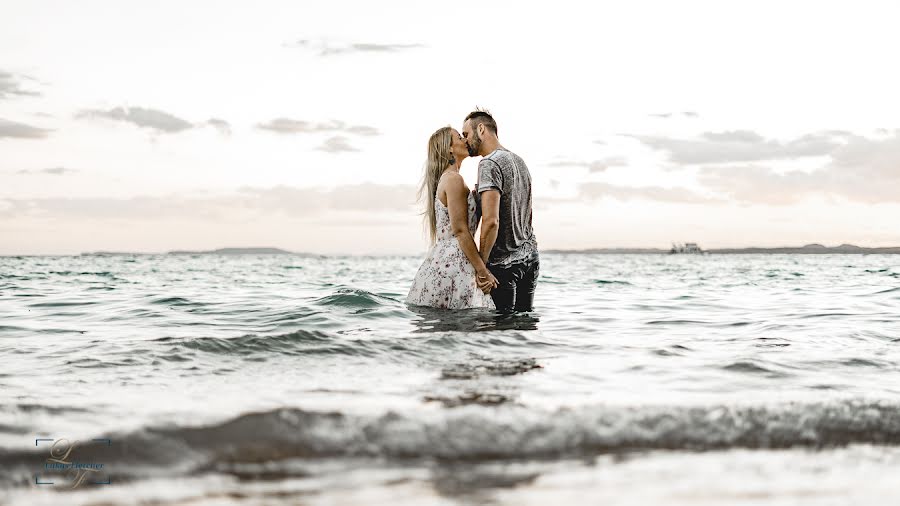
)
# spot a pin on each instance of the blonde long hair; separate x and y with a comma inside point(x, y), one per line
point(439, 156)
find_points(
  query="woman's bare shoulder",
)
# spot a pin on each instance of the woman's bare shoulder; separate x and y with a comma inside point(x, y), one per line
point(453, 181)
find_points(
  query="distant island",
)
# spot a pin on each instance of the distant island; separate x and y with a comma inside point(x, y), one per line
point(809, 249)
point(235, 251)
point(220, 251)
point(813, 249)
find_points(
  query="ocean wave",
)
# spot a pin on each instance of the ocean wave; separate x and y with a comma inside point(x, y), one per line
point(755, 367)
point(321, 342)
point(474, 433)
point(174, 301)
point(520, 432)
point(354, 299)
point(71, 303)
point(299, 342)
point(103, 274)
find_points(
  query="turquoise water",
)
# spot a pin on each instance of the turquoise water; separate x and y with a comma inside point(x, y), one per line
point(270, 379)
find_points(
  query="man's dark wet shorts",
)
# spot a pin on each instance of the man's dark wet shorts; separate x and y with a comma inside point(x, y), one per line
point(516, 284)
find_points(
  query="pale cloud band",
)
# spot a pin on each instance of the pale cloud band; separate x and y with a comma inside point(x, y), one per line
point(282, 200)
point(11, 86)
point(860, 169)
point(325, 48)
point(669, 115)
point(741, 146)
point(333, 145)
point(597, 190)
point(221, 125)
point(744, 166)
point(53, 171)
point(593, 166)
point(153, 119)
point(293, 126)
point(13, 129)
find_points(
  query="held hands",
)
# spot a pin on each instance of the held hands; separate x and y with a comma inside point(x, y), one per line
point(486, 281)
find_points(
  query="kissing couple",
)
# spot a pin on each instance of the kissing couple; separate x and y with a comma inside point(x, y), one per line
point(501, 272)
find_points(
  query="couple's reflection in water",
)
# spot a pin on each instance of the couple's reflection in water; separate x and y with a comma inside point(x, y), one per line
point(485, 378)
point(430, 319)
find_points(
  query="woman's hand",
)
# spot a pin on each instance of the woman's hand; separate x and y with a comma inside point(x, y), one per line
point(486, 281)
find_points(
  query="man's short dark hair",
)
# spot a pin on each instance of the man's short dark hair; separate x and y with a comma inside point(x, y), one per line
point(482, 117)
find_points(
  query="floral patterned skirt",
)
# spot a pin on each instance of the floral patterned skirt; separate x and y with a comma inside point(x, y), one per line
point(446, 279)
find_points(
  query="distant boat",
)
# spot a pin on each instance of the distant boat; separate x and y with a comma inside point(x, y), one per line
point(688, 248)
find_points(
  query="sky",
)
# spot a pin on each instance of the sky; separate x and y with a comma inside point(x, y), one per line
point(155, 126)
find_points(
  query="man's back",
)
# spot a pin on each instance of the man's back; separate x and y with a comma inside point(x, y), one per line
point(506, 172)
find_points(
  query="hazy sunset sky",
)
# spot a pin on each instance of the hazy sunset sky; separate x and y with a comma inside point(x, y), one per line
point(152, 126)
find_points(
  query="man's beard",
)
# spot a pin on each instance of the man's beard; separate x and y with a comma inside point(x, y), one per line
point(474, 145)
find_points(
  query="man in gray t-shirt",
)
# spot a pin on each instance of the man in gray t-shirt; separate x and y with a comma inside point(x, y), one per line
point(508, 245)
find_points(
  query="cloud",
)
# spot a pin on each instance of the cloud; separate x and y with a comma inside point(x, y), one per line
point(383, 48)
point(741, 146)
point(20, 130)
point(845, 133)
point(367, 197)
point(745, 136)
point(293, 126)
point(55, 171)
point(336, 145)
point(289, 201)
point(143, 117)
point(667, 115)
point(363, 130)
point(757, 184)
point(862, 169)
point(594, 166)
point(221, 125)
point(153, 119)
point(596, 190)
point(324, 48)
point(10, 86)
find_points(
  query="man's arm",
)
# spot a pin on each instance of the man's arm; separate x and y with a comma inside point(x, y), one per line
point(490, 222)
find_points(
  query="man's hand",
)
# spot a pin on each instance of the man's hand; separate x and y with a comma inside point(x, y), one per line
point(486, 281)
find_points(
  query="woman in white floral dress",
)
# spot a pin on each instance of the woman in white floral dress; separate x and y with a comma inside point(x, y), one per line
point(446, 278)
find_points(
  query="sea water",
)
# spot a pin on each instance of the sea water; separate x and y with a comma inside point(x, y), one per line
point(285, 379)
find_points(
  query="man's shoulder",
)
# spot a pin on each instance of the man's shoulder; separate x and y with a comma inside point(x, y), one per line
point(490, 162)
point(502, 157)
